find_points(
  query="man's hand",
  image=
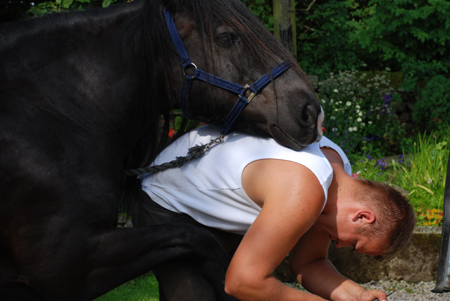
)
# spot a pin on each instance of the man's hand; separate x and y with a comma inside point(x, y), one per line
point(372, 295)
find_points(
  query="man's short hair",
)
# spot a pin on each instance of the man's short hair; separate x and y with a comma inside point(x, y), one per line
point(395, 217)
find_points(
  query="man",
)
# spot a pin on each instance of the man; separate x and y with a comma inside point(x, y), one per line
point(281, 201)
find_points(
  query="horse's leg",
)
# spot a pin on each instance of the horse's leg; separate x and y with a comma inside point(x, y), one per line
point(150, 247)
point(70, 271)
point(80, 254)
point(180, 280)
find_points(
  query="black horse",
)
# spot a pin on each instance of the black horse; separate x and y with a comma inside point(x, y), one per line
point(81, 99)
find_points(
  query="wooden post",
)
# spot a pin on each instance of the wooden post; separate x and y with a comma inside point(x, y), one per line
point(284, 27)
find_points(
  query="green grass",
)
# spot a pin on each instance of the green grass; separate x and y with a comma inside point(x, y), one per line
point(144, 288)
point(426, 175)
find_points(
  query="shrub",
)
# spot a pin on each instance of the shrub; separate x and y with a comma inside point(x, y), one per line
point(323, 41)
point(399, 33)
point(359, 117)
point(263, 10)
point(433, 104)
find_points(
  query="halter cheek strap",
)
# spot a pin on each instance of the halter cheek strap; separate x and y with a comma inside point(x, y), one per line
point(201, 75)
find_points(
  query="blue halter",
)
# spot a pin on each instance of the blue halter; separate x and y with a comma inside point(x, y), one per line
point(217, 81)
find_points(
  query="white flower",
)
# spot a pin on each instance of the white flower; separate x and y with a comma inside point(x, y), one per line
point(358, 107)
point(359, 119)
point(336, 110)
point(334, 129)
point(331, 101)
point(360, 113)
point(350, 129)
point(370, 122)
point(332, 118)
point(363, 124)
point(324, 101)
point(355, 128)
point(348, 103)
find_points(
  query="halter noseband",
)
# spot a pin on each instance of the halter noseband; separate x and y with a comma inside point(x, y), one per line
point(256, 87)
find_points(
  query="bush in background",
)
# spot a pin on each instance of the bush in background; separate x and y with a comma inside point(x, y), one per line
point(358, 115)
point(433, 104)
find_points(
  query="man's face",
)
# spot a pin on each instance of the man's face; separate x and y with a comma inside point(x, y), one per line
point(361, 243)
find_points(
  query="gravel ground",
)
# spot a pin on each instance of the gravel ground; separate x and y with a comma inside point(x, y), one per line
point(404, 291)
point(407, 291)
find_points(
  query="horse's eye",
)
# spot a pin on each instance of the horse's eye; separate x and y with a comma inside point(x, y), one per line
point(227, 39)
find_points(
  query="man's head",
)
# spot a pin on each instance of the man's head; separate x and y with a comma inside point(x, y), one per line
point(395, 217)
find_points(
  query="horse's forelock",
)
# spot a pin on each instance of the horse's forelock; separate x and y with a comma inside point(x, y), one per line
point(233, 13)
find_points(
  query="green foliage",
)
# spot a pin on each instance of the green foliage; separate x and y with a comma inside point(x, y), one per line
point(433, 105)
point(263, 10)
point(323, 42)
point(406, 35)
point(358, 114)
point(400, 33)
point(424, 177)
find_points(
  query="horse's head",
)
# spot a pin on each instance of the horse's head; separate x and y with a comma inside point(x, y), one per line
point(226, 40)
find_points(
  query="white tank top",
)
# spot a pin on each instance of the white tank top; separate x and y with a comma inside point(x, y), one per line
point(209, 189)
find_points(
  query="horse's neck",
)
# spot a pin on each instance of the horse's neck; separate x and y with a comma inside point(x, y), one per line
point(79, 64)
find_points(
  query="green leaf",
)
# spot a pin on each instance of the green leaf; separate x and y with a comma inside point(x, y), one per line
point(66, 3)
point(107, 3)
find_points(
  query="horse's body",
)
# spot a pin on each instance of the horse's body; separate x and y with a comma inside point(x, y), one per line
point(80, 93)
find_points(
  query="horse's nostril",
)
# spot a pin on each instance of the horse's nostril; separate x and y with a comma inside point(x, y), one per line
point(308, 115)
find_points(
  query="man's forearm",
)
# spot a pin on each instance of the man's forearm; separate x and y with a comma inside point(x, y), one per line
point(270, 289)
point(324, 280)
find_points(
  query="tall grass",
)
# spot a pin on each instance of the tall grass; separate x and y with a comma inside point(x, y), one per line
point(424, 177)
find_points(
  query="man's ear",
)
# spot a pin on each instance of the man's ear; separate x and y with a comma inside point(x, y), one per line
point(364, 216)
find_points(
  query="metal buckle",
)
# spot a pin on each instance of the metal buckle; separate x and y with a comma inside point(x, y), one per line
point(189, 66)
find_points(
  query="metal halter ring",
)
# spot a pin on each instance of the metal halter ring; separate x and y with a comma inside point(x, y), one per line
point(188, 66)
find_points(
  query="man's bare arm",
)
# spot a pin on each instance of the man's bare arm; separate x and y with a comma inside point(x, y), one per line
point(291, 198)
point(309, 263)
